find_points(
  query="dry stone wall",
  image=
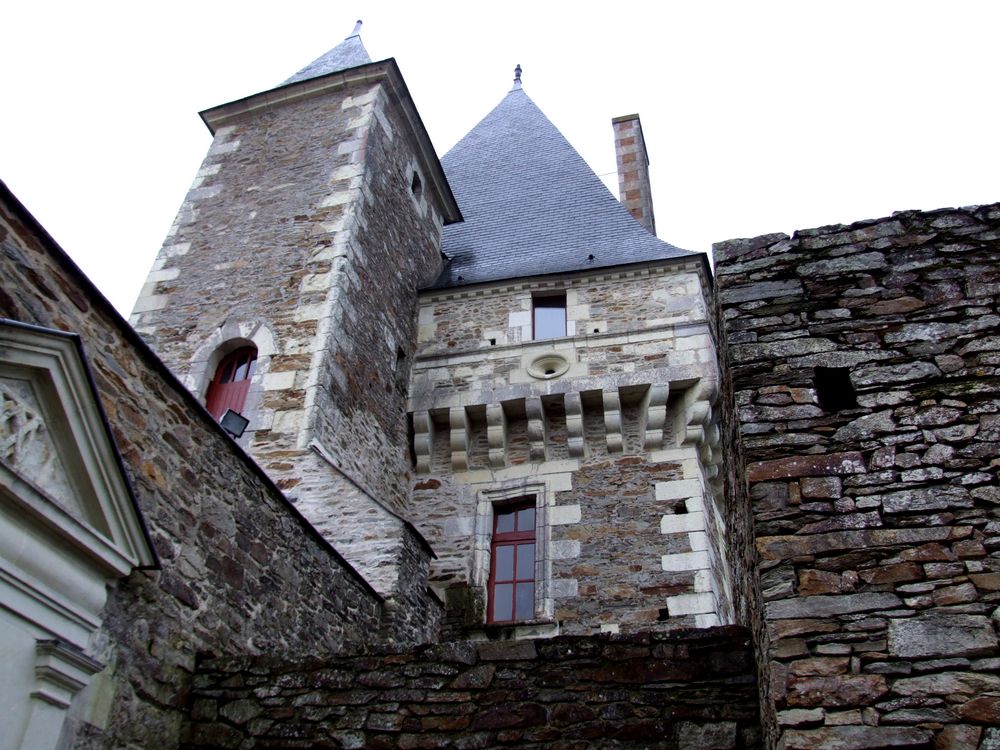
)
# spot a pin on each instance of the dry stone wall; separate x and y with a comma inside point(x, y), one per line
point(240, 571)
point(862, 362)
point(690, 690)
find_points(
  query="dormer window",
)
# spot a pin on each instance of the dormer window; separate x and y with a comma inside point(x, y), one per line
point(229, 387)
point(549, 316)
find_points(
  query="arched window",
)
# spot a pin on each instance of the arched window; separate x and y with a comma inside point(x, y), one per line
point(228, 389)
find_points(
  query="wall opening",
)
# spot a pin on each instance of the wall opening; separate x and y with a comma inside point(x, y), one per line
point(834, 389)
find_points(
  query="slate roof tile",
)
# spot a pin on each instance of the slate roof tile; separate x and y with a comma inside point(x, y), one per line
point(531, 204)
point(350, 53)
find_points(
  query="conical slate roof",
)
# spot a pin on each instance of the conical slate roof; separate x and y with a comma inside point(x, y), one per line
point(350, 53)
point(531, 204)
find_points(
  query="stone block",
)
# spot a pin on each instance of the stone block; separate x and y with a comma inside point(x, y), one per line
point(690, 604)
point(685, 561)
point(828, 606)
point(840, 690)
point(940, 634)
point(717, 735)
point(854, 737)
point(676, 524)
point(838, 464)
point(679, 489)
point(561, 515)
point(760, 290)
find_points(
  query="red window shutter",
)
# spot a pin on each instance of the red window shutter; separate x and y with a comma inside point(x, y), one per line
point(512, 564)
point(229, 387)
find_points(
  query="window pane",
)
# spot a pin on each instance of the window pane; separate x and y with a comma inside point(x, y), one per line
point(526, 519)
point(525, 562)
point(550, 322)
point(503, 601)
point(525, 601)
point(241, 371)
point(505, 522)
point(504, 563)
point(253, 364)
point(227, 374)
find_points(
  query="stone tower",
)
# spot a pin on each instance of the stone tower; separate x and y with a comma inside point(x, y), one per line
point(566, 369)
point(314, 219)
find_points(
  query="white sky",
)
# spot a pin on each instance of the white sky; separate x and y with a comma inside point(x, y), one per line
point(759, 116)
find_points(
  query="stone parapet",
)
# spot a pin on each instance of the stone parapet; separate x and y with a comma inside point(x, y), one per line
point(690, 690)
point(862, 394)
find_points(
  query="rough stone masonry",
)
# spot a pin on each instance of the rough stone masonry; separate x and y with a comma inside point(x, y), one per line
point(861, 367)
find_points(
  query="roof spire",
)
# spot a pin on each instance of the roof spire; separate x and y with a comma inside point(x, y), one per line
point(350, 53)
point(517, 77)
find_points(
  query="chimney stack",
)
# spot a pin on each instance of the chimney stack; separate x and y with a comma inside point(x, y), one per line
point(633, 170)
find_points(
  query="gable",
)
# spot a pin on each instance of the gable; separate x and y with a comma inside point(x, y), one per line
point(54, 440)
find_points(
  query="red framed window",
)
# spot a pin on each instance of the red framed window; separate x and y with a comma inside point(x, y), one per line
point(228, 389)
point(512, 563)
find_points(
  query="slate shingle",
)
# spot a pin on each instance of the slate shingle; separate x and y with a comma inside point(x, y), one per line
point(350, 53)
point(531, 204)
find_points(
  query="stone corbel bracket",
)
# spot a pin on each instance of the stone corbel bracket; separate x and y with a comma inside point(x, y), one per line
point(653, 416)
point(537, 428)
point(496, 434)
point(574, 423)
point(458, 420)
point(423, 440)
point(613, 420)
point(700, 426)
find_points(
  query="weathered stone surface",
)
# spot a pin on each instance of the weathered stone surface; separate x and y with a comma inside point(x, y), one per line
point(983, 710)
point(842, 690)
point(929, 498)
point(917, 403)
point(715, 736)
point(779, 547)
point(855, 738)
point(806, 466)
point(939, 634)
point(948, 683)
point(696, 686)
point(827, 606)
point(765, 290)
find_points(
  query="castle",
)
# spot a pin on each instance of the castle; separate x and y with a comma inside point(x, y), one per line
point(409, 452)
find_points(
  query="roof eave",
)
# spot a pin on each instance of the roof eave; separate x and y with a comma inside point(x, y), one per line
point(383, 71)
point(704, 273)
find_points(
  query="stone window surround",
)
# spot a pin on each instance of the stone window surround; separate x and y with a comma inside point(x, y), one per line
point(223, 341)
point(507, 494)
point(514, 539)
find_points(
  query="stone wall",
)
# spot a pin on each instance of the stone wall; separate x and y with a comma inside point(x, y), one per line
point(863, 363)
point(691, 690)
point(616, 445)
point(240, 571)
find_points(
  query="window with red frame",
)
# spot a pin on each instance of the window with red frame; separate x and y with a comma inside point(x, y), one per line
point(512, 563)
point(228, 389)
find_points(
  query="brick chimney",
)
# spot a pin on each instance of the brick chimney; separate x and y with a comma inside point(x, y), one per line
point(633, 170)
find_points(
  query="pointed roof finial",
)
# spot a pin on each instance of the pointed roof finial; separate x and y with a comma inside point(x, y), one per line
point(517, 77)
point(357, 29)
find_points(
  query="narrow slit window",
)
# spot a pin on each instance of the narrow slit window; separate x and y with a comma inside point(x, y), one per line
point(549, 316)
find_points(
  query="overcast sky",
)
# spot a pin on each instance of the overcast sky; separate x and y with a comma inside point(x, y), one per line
point(758, 116)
